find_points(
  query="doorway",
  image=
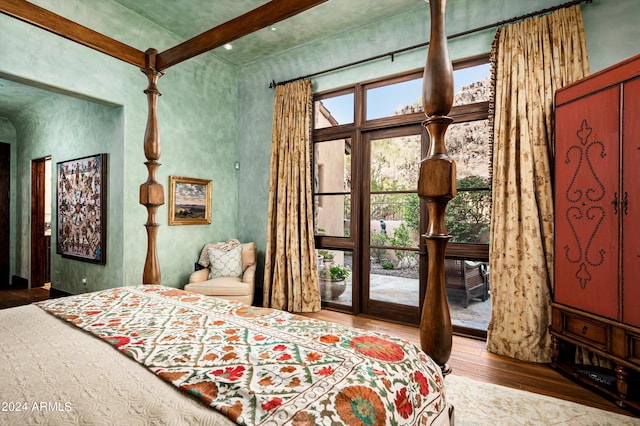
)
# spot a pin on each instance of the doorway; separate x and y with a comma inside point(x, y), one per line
point(368, 142)
point(368, 223)
point(390, 227)
point(5, 183)
point(40, 222)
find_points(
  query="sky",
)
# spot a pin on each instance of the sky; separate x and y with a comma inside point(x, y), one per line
point(188, 193)
point(383, 101)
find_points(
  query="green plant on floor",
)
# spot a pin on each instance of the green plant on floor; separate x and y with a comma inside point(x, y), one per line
point(335, 273)
point(326, 255)
point(387, 265)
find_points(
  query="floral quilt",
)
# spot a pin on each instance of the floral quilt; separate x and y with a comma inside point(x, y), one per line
point(262, 366)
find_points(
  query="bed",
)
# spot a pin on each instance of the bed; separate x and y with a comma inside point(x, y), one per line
point(116, 356)
point(255, 366)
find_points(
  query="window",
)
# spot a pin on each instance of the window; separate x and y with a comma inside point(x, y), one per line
point(368, 141)
point(404, 97)
point(469, 213)
point(471, 84)
point(334, 111)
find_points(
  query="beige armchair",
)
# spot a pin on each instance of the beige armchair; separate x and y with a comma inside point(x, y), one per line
point(230, 288)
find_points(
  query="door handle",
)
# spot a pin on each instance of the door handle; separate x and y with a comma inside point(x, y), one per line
point(625, 203)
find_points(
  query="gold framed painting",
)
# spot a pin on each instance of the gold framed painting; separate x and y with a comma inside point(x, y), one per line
point(189, 201)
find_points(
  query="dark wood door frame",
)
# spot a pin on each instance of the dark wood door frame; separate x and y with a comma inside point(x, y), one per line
point(370, 307)
point(39, 246)
point(5, 226)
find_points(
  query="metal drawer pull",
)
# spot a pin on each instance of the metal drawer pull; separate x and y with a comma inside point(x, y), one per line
point(584, 329)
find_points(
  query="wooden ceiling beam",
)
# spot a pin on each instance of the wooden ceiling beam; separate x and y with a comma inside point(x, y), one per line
point(70, 30)
point(254, 20)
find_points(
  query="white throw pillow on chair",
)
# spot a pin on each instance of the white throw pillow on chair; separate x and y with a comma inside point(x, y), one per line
point(225, 263)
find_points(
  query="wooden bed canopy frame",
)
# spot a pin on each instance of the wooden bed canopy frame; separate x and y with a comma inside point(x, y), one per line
point(437, 178)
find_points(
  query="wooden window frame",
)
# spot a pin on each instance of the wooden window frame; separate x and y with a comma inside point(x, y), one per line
point(360, 126)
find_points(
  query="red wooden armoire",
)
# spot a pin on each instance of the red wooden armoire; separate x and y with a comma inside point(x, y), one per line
point(597, 231)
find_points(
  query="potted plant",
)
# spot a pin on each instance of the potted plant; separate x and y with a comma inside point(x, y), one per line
point(333, 281)
point(327, 256)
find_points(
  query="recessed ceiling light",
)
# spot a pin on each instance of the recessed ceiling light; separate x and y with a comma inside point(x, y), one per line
point(228, 46)
point(273, 28)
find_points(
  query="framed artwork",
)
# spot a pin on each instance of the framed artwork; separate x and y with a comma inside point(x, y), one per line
point(189, 201)
point(81, 209)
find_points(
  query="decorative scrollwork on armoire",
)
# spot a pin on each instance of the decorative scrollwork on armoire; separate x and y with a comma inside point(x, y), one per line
point(583, 195)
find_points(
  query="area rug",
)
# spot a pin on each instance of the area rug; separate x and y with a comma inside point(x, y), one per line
point(479, 403)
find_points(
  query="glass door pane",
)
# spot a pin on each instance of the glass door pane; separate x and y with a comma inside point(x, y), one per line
point(335, 276)
point(393, 242)
point(468, 220)
point(468, 292)
point(332, 222)
point(332, 188)
point(392, 286)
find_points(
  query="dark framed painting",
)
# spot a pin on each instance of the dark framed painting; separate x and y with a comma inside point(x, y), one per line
point(189, 201)
point(81, 190)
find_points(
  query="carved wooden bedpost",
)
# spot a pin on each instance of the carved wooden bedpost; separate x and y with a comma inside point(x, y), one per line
point(152, 192)
point(437, 185)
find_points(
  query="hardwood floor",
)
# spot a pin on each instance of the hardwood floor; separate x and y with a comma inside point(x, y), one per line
point(17, 297)
point(469, 357)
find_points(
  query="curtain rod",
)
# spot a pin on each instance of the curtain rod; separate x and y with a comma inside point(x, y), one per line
point(273, 84)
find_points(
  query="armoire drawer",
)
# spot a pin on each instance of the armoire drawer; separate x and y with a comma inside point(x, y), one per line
point(633, 348)
point(587, 330)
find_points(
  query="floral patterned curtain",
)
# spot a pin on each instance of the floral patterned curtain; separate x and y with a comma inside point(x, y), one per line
point(531, 60)
point(291, 271)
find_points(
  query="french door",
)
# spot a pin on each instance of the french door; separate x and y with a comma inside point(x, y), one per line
point(390, 224)
point(368, 221)
point(368, 141)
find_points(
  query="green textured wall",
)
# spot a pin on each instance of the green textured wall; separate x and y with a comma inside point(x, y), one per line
point(611, 31)
point(201, 130)
point(66, 128)
point(197, 115)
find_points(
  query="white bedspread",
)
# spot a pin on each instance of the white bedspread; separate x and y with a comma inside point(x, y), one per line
point(44, 382)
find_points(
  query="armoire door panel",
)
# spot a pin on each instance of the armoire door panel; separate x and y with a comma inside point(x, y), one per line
point(588, 203)
point(631, 203)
